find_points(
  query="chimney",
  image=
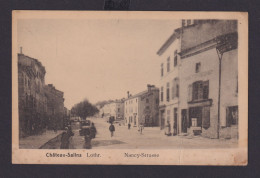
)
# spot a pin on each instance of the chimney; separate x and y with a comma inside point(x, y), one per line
point(21, 50)
point(128, 94)
point(149, 87)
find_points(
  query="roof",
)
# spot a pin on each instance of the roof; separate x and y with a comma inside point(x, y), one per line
point(171, 39)
point(35, 60)
point(141, 93)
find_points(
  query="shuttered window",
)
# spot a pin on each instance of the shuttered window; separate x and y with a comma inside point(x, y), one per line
point(168, 92)
point(200, 90)
point(161, 93)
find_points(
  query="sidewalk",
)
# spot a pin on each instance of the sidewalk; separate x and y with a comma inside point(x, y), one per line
point(36, 141)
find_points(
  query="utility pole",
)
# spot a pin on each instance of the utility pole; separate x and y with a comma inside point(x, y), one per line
point(219, 89)
point(225, 43)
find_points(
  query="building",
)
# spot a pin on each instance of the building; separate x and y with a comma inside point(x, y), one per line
point(114, 108)
point(142, 108)
point(169, 82)
point(207, 78)
point(55, 107)
point(32, 100)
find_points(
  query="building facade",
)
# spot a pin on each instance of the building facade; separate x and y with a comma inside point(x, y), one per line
point(208, 78)
point(143, 108)
point(115, 108)
point(32, 100)
point(169, 83)
point(55, 107)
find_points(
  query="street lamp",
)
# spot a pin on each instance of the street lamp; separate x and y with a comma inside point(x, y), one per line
point(225, 43)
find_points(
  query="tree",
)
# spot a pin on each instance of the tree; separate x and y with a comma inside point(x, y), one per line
point(84, 109)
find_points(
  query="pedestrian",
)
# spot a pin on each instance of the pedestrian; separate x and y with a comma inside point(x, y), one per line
point(168, 127)
point(112, 129)
point(87, 144)
point(129, 126)
point(174, 128)
point(141, 128)
point(55, 128)
point(65, 138)
point(93, 131)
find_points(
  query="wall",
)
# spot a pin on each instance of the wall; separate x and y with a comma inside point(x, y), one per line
point(205, 31)
point(209, 71)
point(32, 101)
point(169, 77)
point(149, 109)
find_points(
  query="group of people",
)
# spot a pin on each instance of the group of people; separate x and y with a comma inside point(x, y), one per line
point(66, 137)
point(168, 129)
point(89, 134)
point(140, 129)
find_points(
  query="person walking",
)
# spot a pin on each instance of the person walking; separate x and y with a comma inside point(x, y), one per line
point(129, 126)
point(112, 129)
point(65, 138)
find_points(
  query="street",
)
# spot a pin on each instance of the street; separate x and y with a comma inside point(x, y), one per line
point(151, 138)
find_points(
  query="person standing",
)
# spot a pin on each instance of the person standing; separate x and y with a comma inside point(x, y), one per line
point(129, 126)
point(112, 129)
point(87, 144)
point(93, 131)
point(65, 139)
point(141, 128)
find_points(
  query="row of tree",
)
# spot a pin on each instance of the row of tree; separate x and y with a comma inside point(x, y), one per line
point(84, 109)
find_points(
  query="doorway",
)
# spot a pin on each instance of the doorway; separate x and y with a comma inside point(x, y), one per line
point(184, 120)
point(175, 116)
point(162, 119)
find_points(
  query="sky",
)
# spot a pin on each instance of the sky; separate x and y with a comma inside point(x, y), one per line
point(96, 59)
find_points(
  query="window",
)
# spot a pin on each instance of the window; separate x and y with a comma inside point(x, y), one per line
point(168, 92)
point(194, 122)
point(232, 116)
point(175, 58)
point(118, 109)
point(136, 101)
point(183, 22)
point(197, 67)
point(161, 93)
point(161, 70)
point(147, 107)
point(147, 100)
point(175, 88)
point(168, 64)
point(200, 90)
point(188, 22)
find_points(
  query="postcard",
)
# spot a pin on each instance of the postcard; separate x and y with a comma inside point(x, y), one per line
point(129, 88)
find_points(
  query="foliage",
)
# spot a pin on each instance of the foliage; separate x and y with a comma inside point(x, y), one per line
point(84, 109)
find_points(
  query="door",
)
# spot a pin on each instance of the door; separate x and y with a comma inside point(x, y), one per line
point(175, 116)
point(184, 120)
point(162, 119)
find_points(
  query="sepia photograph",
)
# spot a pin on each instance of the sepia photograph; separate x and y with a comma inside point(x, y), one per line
point(130, 88)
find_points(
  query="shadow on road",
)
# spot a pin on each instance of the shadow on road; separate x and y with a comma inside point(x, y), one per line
point(53, 143)
point(97, 143)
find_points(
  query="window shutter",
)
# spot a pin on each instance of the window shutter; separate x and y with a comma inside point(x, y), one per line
point(206, 117)
point(206, 90)
point(228, 118)
point(189, 93)
point(200, 90)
